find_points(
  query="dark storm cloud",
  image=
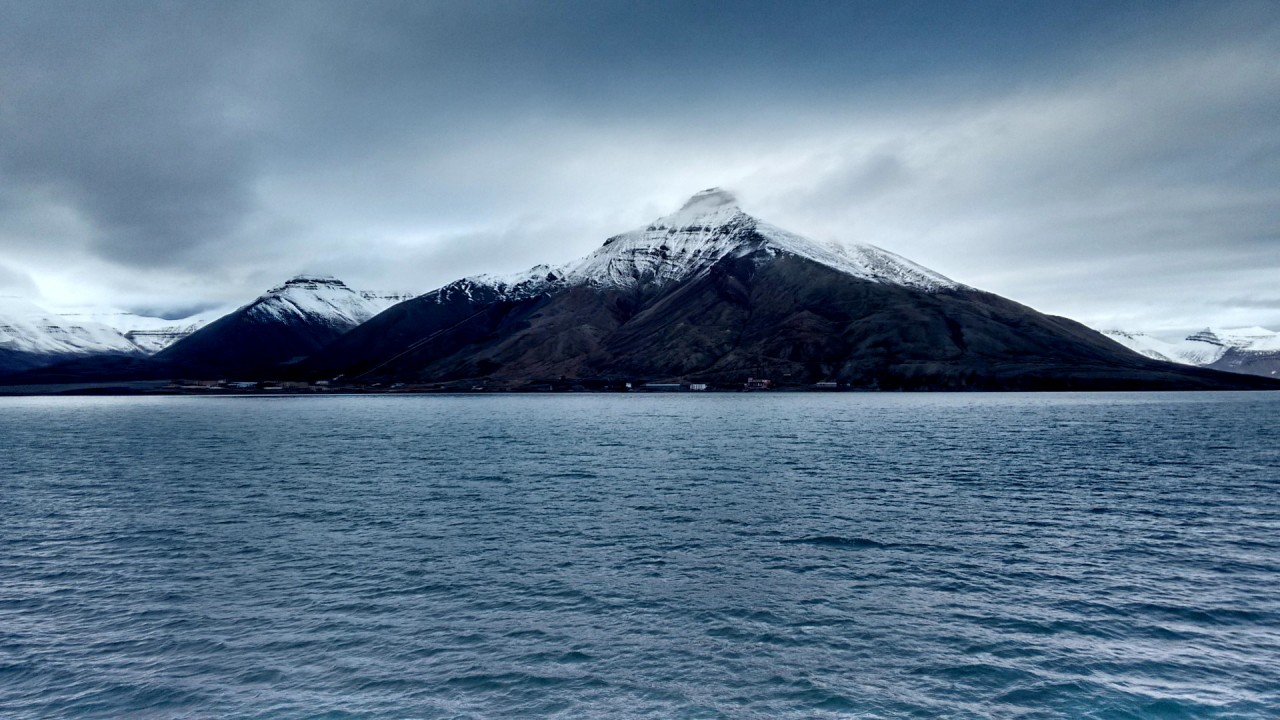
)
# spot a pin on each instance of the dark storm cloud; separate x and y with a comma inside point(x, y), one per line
point(148, 118)
point(152, 151)
point(114, 110)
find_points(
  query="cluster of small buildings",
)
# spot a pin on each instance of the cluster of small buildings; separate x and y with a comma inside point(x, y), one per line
point(295, 386)
point(752, 384)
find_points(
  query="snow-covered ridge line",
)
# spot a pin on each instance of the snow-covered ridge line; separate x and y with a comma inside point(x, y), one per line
point(1204, 347)
point(708, 228)
point(148, 334)
point(28, 328)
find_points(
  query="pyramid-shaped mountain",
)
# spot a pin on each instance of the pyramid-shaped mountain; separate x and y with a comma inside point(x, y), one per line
point(712, 294)
point(285, 325)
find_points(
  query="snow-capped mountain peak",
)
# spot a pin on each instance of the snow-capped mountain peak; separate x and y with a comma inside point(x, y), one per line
point(709, 227)
point(1252, 338)
point(318, 298)
point(309, 282)
point(712, 207)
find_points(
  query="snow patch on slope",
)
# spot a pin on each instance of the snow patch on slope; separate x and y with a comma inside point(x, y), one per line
point(385, 300)
point(1145, 345)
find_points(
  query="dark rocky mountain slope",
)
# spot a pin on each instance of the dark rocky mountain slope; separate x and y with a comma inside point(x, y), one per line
point(1253, 362)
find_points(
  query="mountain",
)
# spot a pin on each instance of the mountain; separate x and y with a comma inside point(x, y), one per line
point(284, 325)
point(1251, 350)
point(148, 334)
point(32, 336)
point(712, 294)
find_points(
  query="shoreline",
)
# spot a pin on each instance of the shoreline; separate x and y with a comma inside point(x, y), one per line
point(160, 389)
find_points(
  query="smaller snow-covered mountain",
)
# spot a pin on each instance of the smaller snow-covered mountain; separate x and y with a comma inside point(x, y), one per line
point(31, 336)
point(149, 334)
point(1251, 350)
point(153, 334)
point(283, 325)
point(318, 299)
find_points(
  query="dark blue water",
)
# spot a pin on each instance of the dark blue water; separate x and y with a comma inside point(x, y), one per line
point(673, 556)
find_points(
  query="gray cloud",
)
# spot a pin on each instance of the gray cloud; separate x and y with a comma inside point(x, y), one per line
point(1269, 303)
point(120, 121)
point(16, 282)
point(1113, 162)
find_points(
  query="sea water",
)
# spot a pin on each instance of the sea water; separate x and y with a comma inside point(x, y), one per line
point(619, 556)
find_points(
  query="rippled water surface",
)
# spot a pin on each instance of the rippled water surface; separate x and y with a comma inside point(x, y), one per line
point(666, 556)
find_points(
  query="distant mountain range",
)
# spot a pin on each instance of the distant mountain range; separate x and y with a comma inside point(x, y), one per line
point(708, 295)
point(32, 336)
point(1251, 350)
point(149, 334)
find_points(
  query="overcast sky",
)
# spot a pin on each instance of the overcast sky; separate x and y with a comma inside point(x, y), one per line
point(1114, 162)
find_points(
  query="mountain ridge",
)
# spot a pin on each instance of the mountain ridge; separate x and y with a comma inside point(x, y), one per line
point(711, 293)
point(706, 294)
point(31, 335)
point(82, 341)
point(1251, 350)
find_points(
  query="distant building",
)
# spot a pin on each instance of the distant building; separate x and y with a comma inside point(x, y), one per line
point(757, 384)
point(827, 385)
point(697, 387)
